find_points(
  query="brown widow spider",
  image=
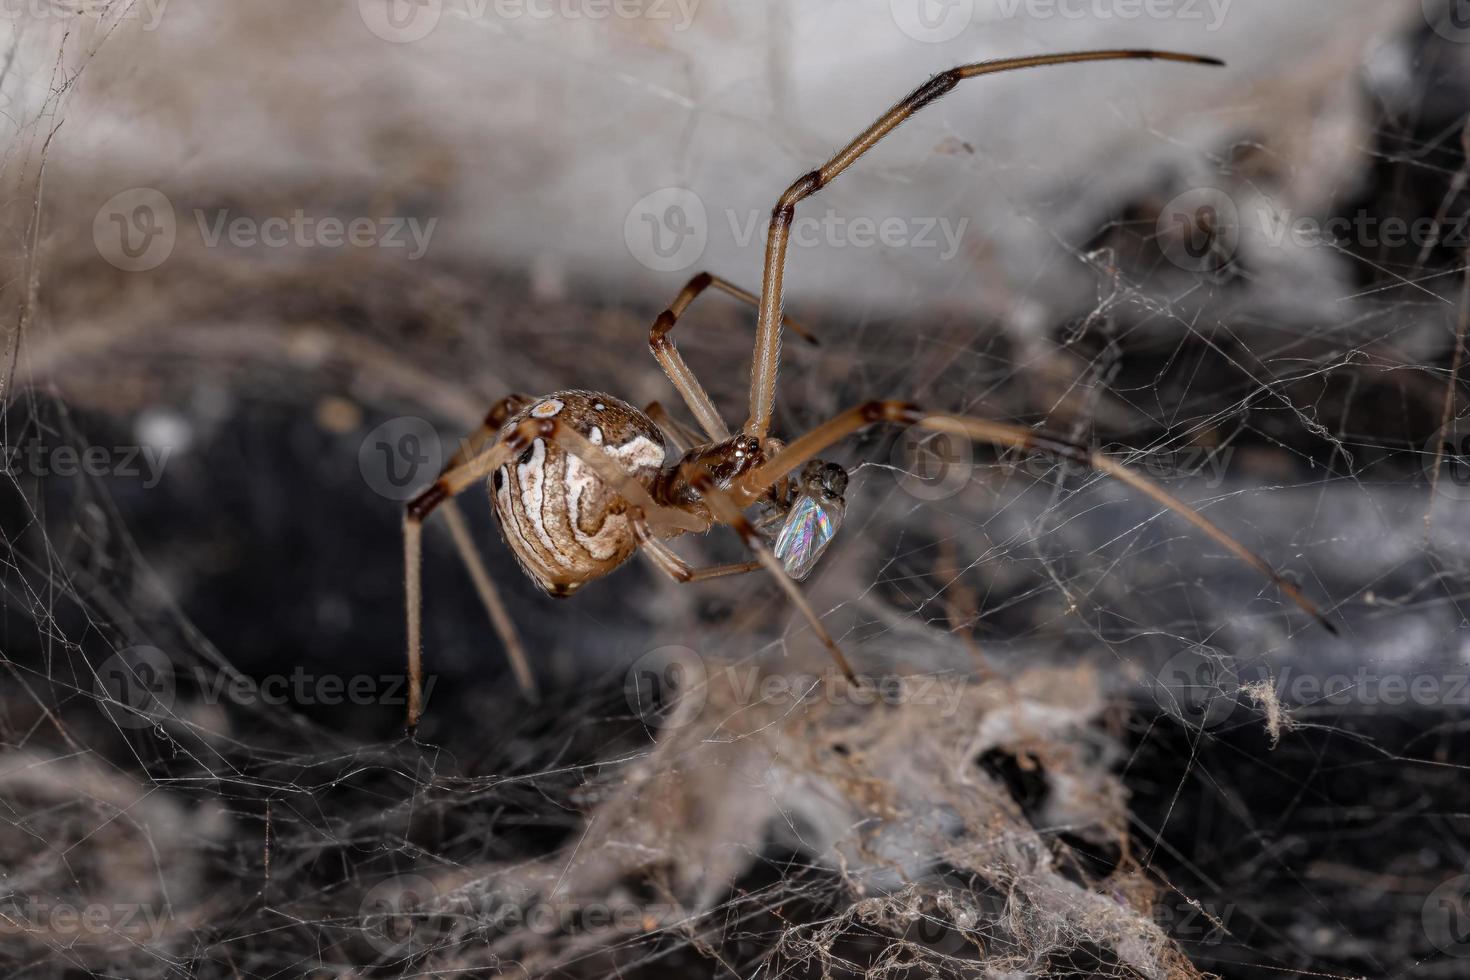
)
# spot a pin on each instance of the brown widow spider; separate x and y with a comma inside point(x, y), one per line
point(580, 480)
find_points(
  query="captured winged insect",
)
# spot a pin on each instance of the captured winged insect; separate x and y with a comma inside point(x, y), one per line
point(814, 519)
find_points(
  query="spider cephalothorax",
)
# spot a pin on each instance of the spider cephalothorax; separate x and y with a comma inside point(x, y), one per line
point(581, 480)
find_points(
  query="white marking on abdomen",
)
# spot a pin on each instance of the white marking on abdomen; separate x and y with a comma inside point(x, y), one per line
point(603, 545)
point(638, 453)
point(532, 477)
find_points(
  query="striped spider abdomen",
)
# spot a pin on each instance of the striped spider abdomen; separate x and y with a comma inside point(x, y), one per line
point(562, 522)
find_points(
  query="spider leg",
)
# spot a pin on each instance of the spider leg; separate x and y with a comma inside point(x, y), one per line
point(494, 419)
point(473, 468)
point(726, 512)
point(454, 480)
point(666, 560)
point(500, 619)
point(469, 554)
point(672, 361)
point(768, 324)
point(1018, 437)
point(680, 436)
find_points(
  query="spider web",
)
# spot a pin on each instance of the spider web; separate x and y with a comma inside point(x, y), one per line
point(1093, 743)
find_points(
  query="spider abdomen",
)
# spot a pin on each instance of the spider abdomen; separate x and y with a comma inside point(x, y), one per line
point(564, 524)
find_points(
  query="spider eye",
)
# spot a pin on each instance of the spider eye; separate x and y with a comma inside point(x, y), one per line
point(745, 448)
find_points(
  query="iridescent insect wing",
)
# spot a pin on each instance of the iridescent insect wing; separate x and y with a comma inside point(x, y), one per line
point(810, 527)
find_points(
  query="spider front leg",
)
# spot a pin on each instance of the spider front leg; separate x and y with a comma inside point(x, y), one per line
point(770, 320)
point(1008, 436)
point(728, 513)
point(672, 361)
